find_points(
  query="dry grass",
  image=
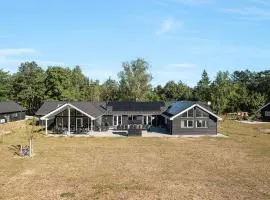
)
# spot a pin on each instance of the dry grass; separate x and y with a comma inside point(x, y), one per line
point(140, 168)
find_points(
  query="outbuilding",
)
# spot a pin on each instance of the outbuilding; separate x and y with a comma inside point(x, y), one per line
point(11, 111)
point(265, 112)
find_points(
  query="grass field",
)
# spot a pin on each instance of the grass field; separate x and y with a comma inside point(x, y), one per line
point(237, 167)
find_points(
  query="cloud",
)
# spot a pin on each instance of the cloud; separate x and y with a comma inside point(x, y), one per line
point(10, 64)
point(254, 9)
point(182, 65)
point(167, 26)
point(262, 2)
point(16, 52)
point(185, 2)
point(253, 12)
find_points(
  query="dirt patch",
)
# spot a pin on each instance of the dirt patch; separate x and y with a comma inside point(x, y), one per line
point(267, 131)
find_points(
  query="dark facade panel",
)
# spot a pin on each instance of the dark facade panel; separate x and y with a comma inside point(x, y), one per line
point(107, 120)
point(265, 113)
point(10, 117)
point(176, 128)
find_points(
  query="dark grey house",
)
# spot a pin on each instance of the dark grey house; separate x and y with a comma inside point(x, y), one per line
point(190, 117)
point(183, 117)
point(11, 111)
point(81, 116)
point(265, 112)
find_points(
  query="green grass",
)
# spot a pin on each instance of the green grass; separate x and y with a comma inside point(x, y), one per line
point(237, 167)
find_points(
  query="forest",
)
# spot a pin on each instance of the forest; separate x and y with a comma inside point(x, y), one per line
point(31, 85)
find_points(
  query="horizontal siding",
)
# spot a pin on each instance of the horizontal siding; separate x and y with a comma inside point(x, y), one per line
point(10, 117)
point(265, 118)
point(177, 130)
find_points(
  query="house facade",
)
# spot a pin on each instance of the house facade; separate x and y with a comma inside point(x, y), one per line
point(265, 112)
point(11, 111)
point(190, 118)
point(83, 117)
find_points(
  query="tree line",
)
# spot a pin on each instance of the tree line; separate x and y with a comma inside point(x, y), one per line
point(31, 85)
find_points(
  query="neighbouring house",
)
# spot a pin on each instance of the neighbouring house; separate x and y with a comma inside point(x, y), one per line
point(265, 112)
point(190, 117)
point(11, 111)
point(83, 117)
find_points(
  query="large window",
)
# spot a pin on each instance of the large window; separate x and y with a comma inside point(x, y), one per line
point(149, 120)
point(201, 124)
point(132, 117)
point(187, 123)
point(267, 113)
point(200, 113)
point(117, 120)
point(120, 119)
point(145, 120)
point(188, 114)
point(14, 115)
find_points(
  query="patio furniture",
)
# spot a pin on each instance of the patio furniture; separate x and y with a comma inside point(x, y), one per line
point(134, 132)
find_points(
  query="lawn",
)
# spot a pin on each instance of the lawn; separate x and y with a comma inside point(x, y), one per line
point(237, 167)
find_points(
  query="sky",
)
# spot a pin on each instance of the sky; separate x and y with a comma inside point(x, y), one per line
point(179, 38)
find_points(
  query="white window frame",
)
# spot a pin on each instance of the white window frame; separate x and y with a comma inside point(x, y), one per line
point(187, 114)
point(119, 117)
point(202, 121)
point(267, 113)
point(145, 119)
point(117, 120)
point(115, 117)
point(187, 123)
point(202, 112)
point(151, 119)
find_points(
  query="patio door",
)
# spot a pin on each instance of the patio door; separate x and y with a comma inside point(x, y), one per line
point(59, 122)
point(79, 123)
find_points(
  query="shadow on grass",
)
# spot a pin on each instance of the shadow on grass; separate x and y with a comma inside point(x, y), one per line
point(15, 149)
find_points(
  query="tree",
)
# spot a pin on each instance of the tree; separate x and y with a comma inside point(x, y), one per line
point(202, 90)
point(79, 83)
point(31, 133)
point(171, 91)
point(159, 92)
point(177, 91)
point(256, 101)
point(5, 86)
point(221, 90)
point(135, 80)
point(93, 91)
point(109, 90)
point(59, 85)
point(28, 86)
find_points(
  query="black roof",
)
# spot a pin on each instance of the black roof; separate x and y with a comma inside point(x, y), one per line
point(96, 109)
point(91, 108)
point(180, 106)
point(135, 108)
point(10, 106)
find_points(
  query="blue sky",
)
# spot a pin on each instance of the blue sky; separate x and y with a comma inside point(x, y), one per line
point(179, 38)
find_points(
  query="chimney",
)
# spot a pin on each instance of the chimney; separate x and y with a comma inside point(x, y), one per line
point(109, 108)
